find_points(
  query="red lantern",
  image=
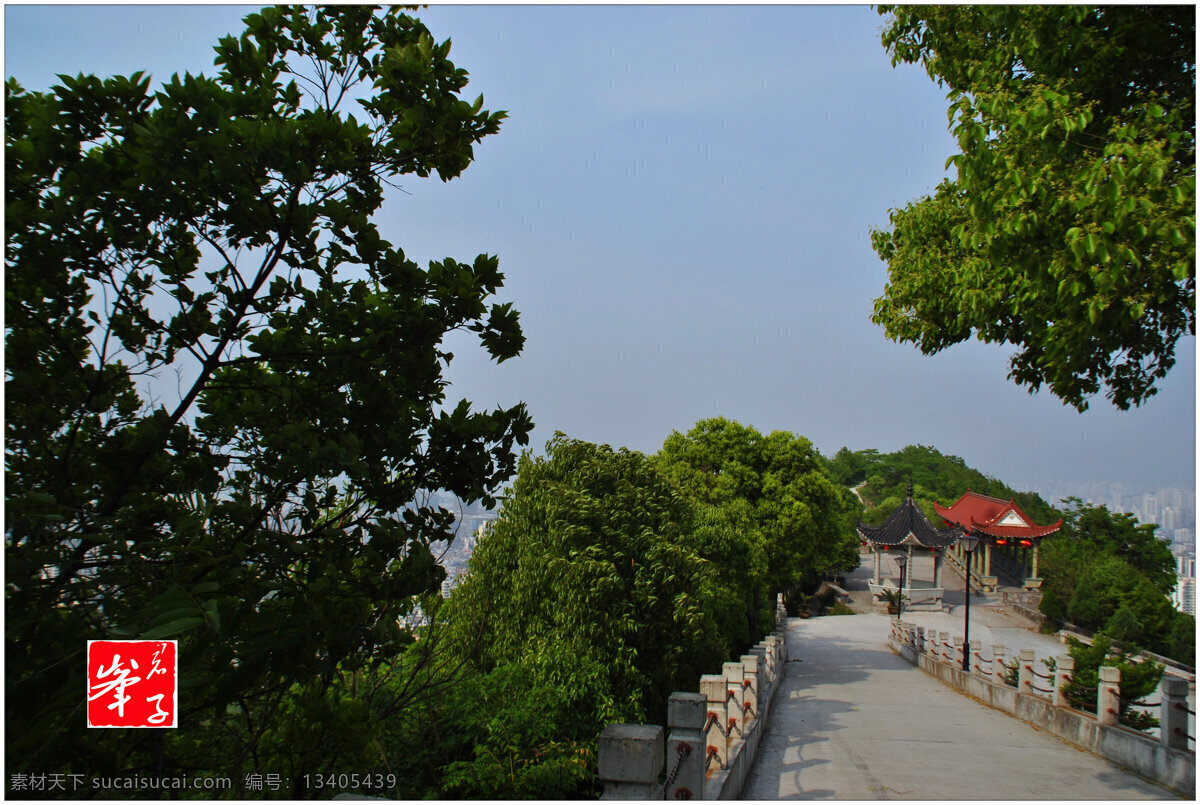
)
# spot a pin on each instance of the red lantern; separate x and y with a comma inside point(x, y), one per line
point(1001, 542)
point(1025, 543)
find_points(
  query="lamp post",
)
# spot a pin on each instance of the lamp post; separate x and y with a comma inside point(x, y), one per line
point(901, 561)
point(969, 544)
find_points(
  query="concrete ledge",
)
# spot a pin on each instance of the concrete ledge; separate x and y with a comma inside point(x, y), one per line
point(1138, 753)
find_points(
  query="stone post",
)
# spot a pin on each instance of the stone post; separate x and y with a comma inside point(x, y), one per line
point(630, 758)
point(1108, 696)
point(751, 683)
point(1025, 674)
point(736, 695)
point(1063, 672)
point(999, 669)
point(959, 648)
point(975, 664)
point(759, 652)
point(772, 654)
point(1174, 715)
point(920, 640)
point(714, 688)
point(943, 651)
point(686, 714)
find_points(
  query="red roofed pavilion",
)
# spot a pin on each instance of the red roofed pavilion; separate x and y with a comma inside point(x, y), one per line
point(1010, 538)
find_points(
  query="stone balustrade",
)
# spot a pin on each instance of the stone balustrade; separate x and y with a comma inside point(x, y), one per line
point(1040, 698)
point(712, 735)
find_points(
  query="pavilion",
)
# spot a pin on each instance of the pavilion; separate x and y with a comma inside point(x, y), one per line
point(904, 530)
point(1009, 537)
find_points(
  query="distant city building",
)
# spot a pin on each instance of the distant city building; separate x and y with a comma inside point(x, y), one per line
point(1183, 538)
point(1183, 597)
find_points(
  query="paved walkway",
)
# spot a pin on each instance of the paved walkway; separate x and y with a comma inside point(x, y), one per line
point(853, 721)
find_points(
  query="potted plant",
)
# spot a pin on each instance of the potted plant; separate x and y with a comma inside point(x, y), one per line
point(893, 598)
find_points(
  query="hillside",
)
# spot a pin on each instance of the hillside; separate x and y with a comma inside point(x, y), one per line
point(883, 480)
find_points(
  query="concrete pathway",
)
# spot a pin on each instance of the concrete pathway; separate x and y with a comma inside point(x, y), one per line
point(853, 721)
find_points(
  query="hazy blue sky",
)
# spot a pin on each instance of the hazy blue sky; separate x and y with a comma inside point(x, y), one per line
point(681, 201)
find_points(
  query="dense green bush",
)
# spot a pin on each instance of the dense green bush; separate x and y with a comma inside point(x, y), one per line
point(1138, 679)
point(1105, 571)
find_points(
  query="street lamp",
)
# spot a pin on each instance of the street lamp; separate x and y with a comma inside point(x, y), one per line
point(968, 544)
point(901, 561)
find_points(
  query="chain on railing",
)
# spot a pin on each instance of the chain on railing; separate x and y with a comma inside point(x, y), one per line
point(1190, 712)
point(1082, 697)
point(713, 754)
point(1134, 701)
point(682, 750)
point(1035, 686)
point(713, 718)
point(978, 665)
point(733, 725)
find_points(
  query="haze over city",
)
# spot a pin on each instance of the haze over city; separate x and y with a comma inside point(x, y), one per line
point(681, 200)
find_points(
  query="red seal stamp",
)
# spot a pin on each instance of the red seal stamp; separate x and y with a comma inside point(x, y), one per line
point(132, 683)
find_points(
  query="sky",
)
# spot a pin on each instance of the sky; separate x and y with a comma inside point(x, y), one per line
point(681, 200)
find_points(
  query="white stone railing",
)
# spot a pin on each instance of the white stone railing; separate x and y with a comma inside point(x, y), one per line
point(713, 734)
point(1041, 699)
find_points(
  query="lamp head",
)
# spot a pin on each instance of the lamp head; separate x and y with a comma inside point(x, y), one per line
point(969, 543)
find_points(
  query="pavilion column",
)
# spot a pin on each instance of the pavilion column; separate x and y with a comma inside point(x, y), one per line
point(875, 550)
point(937, 568)
point(1034, 574)
point(909, 573)
point(987, 559)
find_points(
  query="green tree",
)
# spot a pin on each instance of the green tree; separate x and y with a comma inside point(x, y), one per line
point(218, 231)
point(936, 477)
point(1068, 229)
point(794, 524)
point(1138, 679)
point(1104, 570)
point(850, 469)
point(585, 590)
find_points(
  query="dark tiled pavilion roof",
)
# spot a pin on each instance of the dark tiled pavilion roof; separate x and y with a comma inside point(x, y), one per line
point(908, 525)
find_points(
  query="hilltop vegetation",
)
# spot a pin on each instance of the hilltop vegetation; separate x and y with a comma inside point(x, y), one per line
point(884, 480)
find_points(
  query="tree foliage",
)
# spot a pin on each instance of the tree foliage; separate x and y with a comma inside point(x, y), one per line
point(935, 477)
point(589, 598)
point(215, 236)
point(1068, 230)
point(1138, 680)
point(1105, 571)
point(774, 501)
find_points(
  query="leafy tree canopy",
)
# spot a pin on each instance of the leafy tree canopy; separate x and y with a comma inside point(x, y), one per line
point(935, 477)
point(1105, 571)
point(1069, 228)
point(795, 520)
point(216, 236)
point(586, 581)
